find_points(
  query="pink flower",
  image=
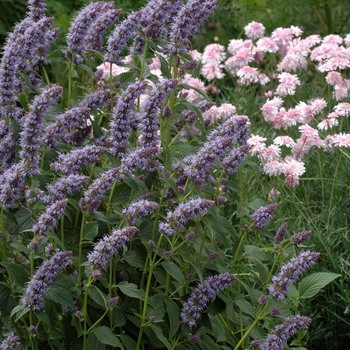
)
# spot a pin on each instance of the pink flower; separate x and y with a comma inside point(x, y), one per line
point(273, 168)
point(334, 64)
point(263, 79)
point(215, 113)
point(255, 139)
point(254, 30)
point(237, 44)
point(211, 71)
point(333, 78)
point(248, 75)
point(341, 90)
point(343, 109)
point(292, 181)
point(197, 56)
point(332, 39)
point(192, 95)
point(347, 40)
point(213, 53)
point(306, 113)
point(106, 68)
point(291, 62)
point(266, 45)
point(270, 153)
point(318, 105)
point(284, 141)
point(288, 83)
point(327, 123)
point(308, 131)
point(268, 94)
point(271, 107)
point(340, 140)
point(294, 168)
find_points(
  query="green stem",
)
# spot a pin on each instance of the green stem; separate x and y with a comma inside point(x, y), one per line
point(85, 313)
point(238, 250)
point(81, 250)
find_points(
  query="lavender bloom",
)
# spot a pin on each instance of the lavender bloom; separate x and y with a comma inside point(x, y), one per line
point(263, 215)
point(94, 36)
point(165, 228)
point(275, 311)
point(72, 162)
point(11, 342)
point(97, 99)
point(281, 233)
point(150, 109)
point(11, 182)
point(77, 136)
point(188, 210)
point(199, 299)
point(99, 258)
point(301, 237)
point(66, 185)
point(206, 157)
point(49, 218)
point(290, 273)
point(33, 195)
point(185, 26)
point(237, 126)
point(33, 121)
point(120, 126)
point(235, 159)
point(43, 277)
point(282, 332)
point(121, 35)
point(255, 343)
point(93, 195)
point(138, 209)
point(37, 9)
point(75, 117)
point(194, 339)
point(78, 31)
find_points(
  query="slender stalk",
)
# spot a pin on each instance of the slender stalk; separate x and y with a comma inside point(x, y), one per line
point(85, 313)
point(81, 249)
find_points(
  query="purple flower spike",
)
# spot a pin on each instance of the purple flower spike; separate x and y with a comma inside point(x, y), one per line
point(263, 215)
point(282, 332)
point(99, 258)
point(50, 217)
point(301, 237)
point(165, 228)
point(281, 233)
point(43, 277)
point(120, 37)
point(290, 273)
point(150, 110)
point(188, 210)
point(186, 24)
point(120, 125)
point(11, 182)
point(37, 9)
point(193, 307)
point(11, 342)
point(138, 209)
point(235, 159)
point(97, 99)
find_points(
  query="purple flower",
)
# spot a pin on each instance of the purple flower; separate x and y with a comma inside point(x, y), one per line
point(188, 210)
point(75, 117)
point(165, 228)
point(150, 109)
point(275, 311)
point(37, 9)
point(290, 273)
point(194, 339)
point(72, 162)
point(281, 233)
point(43, 277)
point(138, 209)
point(282, 332)
point(301, 237)
point(263, 215)
point(50, 217)
point(94, 36)
point(99, 258)
point(120, 37)
point(97, 99)
point(235, 159)
point(120, 125)
point(186, 24)
point(11, 182)
point(11, 342)
point(198, 300)
point(78, 31)
point(34, 194)
point(93, 195)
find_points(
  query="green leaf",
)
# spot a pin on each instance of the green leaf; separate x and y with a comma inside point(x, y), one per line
point(312, 284)
point(174, 271)
point(241, 211)
point(19, 311)
point(131, 290)
point(86, 68)
point(174, 316)
point(133, 258)
point(90, 231)
point(97, 296)
point(25, 219)
point(106, 336)
point(19, 274)
point(245, 306)
point(257, 203)
point(159, 333)
point(93, 343)
point(60, 295)
point(164, 66)
point(128, 342)
point(6, 300)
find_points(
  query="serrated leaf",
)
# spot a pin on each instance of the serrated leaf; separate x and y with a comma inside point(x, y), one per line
point(164, 68)
point(90, 231)
point(93, 343)
point(133, 258)
point(128, 342)
point(159, 333)
point(245, 306)
point(174, 316)
point(106, 336)
point(6, 300)
point(257, 203)
point(97, 296)
point(25, 219)
point(174, 271)
point(19, 274)
point(19, 311)
point(60, 295)
point(241, 211)
point(131, 290)
point(312, 284)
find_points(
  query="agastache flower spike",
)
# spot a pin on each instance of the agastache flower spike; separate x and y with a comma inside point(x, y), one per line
point(75, 117)
point(94, 36)
point(50, 217)
point(301, 237)
point(37, 9)
point(72, 162)
point(99, 258)
point(290, 273)
point(121, 35)
point(97, 99)
point(120, 126)
point(281, 233)
point(150, 109)
point(235, 159)
point(282, 332)
point(78, 31)
point(11, 182)
point(186, 24)
point(193, 307)
point(138, 209)
point(187, 211)
point(11, 342)
point(43, 277)
point(263, 215)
